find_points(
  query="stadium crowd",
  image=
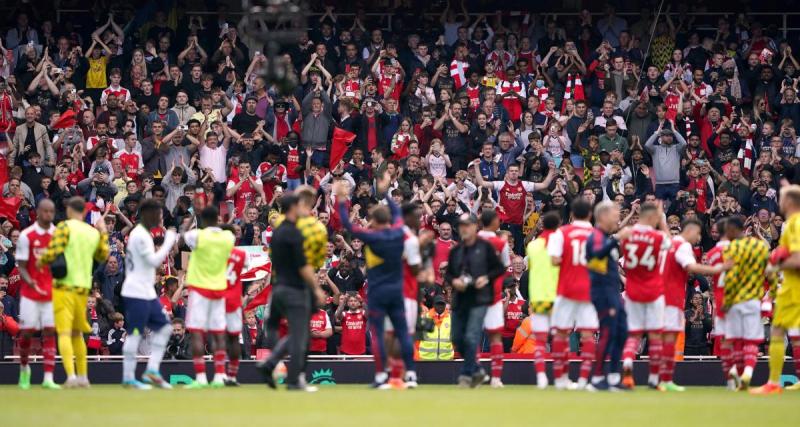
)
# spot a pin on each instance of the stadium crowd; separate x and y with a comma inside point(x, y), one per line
point(466, 111)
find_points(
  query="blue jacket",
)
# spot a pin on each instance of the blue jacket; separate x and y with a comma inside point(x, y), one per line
point(602, 260)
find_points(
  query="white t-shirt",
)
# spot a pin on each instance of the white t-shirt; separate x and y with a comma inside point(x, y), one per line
point(141, 261)
point(214, 158)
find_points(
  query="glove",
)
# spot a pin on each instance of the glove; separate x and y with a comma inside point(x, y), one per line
point(778, 255)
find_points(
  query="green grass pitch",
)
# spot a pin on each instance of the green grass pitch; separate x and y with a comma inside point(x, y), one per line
point(429, 405)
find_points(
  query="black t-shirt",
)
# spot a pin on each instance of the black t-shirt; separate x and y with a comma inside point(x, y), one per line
point(287, 256)
point(245, 123)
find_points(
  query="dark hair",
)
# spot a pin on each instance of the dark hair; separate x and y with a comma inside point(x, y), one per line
point(581, 209)
point(409, 208)
point(381, 215)
point(487, 217)
point(287, 201)
point(149, 205)
point(209, 216)
point(551, 220)
point(691, 221)
point(646, 208)
point(77, 204)
point(734, 221)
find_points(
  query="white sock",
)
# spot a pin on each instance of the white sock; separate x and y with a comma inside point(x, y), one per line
point(158, 345)
point(733, 370)
point(48, 377)
point(627, 363)
point(129, 357)
point(582, 382)
point(597, 378)
point(411, 376)
point(24, 368)
point(653, 379)
point(748, 372)
point(72, 377)
point(201, 378)
point(613, 378)
point(381, 377)
point(218, 378)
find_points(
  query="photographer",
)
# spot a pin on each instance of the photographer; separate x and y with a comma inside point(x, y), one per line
point(472, 267)
point(178, 345)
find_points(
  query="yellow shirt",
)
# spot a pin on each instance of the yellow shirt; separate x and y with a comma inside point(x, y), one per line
point(789, 291)
point(96, 76)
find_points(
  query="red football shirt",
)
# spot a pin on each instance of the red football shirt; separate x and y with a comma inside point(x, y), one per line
point(31, 245)
point(679, 257)
point(233, 294)
point(514, 316)
point(642, 253)
point(569, 243)
point(714, 257)
point(319, 322)
point(354, 333)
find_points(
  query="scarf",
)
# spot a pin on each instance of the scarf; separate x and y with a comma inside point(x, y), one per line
point(281, 126)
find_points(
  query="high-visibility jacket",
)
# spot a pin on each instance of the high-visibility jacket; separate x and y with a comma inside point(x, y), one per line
point(437, 345)
point(524, 342)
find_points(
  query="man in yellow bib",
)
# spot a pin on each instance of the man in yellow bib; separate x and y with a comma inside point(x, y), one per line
point(206, 279)
point(80, 244)
point(787, 302)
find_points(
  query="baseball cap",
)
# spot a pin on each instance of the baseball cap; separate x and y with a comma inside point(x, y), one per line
point(439, 299)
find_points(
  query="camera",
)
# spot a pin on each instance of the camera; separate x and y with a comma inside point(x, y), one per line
point(788, 81)
point(467, 279)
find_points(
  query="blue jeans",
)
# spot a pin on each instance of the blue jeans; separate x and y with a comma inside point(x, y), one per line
point(667, 191)
point(467, 329)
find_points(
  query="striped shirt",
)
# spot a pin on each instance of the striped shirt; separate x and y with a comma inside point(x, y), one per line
point(745, 281)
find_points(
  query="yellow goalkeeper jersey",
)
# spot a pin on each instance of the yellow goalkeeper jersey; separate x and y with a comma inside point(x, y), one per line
point(789, 291)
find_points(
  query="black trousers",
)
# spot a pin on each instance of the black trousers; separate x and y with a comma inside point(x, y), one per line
point(295, 305)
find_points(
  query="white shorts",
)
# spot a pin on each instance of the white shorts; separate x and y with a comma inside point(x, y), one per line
point(570, 314)
point(412, 312)
point(233, 322)
point(743, 322)
point(645, 316)
point(674, 320)
point(494, 320)
point(540, 323)
point(35, 315)
point(205, 314)
point(793, 333)
point(719, 327)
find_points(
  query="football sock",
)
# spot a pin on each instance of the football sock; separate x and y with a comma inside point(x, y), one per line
point(667, 361)
point(725, 355)
point(496, 350)
point(199, 366)
point(396, 368)
point(655, 352)
point(560, 343)
point(777, 349)
point(219, 362)
point(81, 362)
point(233, 368)
point(158, 345)
point(540, 341)
point(129, 356)
point(796, 354)
point(24, 349)
point(738, 355)
point(629, 352)
point(750, 356)
point(65, 348)
point(587, 355)
point(49, 353)
point(613, 378)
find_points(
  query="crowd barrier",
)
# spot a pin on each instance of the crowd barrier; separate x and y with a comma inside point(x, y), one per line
point(327, 371)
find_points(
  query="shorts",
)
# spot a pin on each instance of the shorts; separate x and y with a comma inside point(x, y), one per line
point(645, 316)
point(674, 320)
point(787, 315)
point(719, 327)
point(233, 322)
point(141, 313)
point(69, 311)
point(205, 314)
point(411, 309)
point(540, 323)
point(571, 314)
point(494, 321)
point(35, 315)
point(743, 322)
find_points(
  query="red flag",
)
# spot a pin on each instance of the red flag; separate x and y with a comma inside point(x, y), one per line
point(577, 89)
point(340, 144)
point(258, 273)
point(8, 209)
point(67, 120)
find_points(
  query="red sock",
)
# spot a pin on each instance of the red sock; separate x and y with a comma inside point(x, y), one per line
point(667, 361)
point(24, 349)
point(538, 351)
point(396, 368)
point(199, 365)
point(795, 341)
point(496, 350)
point(726, 356)
point(631, 345)
point(655, 351)
point(49, 352)
point(219, 361)
point(559, 353)
point(750, 354)
point(738, 355)
point(588, 347)
point(233, 368)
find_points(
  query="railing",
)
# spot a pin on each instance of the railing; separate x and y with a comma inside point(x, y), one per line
point(782, 17)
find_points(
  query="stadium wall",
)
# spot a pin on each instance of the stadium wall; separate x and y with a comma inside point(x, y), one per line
point(692, 373)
